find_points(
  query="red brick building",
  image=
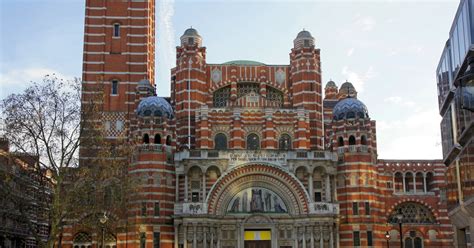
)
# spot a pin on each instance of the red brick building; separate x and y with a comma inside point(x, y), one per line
point(245, 154)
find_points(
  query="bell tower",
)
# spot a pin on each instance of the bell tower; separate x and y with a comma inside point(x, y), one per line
point(306, 86)
point(119, 51)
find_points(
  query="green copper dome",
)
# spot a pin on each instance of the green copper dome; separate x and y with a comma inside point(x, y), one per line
point(243, 62)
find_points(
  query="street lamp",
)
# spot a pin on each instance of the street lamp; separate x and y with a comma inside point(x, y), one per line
point(387, 237)
point(103, 220)
point(400, 221)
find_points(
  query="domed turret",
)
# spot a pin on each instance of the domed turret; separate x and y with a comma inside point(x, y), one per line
point(155, 106)
point(191, 37)
point(331, 84)
point(350, 108)
point(303, 39)
point(347, 90)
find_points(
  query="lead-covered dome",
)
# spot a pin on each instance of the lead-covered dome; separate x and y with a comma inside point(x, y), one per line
point(350, 108)
point(155, 106)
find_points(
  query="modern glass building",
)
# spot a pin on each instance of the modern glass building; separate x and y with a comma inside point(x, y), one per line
point(455, 79)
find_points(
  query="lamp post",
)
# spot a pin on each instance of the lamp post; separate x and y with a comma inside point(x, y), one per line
point(103, 220)
point(400, 221)
point(387, 237)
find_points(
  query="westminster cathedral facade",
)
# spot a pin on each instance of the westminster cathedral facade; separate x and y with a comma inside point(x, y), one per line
point(246, 154)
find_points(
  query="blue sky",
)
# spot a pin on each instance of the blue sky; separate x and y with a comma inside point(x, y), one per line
point(388, 49)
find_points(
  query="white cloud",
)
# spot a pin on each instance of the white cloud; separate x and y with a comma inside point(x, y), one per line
point(16, 80)
point(350, 52)
point(165, 45)
point(398, 100)
point(365, 23)
point(357, 79)
point(411, 137)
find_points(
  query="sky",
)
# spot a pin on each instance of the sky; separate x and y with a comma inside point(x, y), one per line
point(389, 50)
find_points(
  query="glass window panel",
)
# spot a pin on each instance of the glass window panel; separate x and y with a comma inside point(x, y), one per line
point(356, 236)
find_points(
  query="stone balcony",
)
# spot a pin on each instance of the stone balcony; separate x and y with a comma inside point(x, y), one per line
point(236, 157)
point(200, 208)
point(323, 208)
point(192, 208)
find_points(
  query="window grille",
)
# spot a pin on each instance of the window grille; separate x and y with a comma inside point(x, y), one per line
point(412, 213)
point(221, 96)
point(275, 95)
point(245, 88)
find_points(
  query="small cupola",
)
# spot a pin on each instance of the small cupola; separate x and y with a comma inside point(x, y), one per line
point(303, 39)
point(191, 37)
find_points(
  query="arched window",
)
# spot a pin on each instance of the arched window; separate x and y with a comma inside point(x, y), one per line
point(363, 140)
point(146, 139)
point(284, 143)
point(398, 182)
point(116, 30)
point(409, 182)
point(220, 141)
point(82, 240)
point(429, 181)
point(340, 141)
point(114, 87)
point(110, 241)
point(413, 241)
point(413, 213)
point(168, 140)
point(253, 142)
point(157, 138)
point(352, 140)
point(221, 96)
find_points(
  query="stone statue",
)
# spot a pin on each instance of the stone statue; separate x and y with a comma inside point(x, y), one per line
point(235, 205)
point(256, 204)
point(268, 206)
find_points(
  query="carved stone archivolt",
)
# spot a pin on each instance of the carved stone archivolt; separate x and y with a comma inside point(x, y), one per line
point(286, 186)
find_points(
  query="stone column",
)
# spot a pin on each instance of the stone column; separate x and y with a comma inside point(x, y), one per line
point(310, 186)
point(203, 187)
point(218, 233)
point(337, 236)
point(403, 180)
point(328, 188)
point(296, 236)
point(185, 236)
point(186, 187)
point(304, 237)
point(331, 237)
point(414, 183)
point(394, 186)
point(424, 182)
point(194, 237)
point(212, 237)
point(176, 230)
point(312, 237)
point(204, 233)
point(321, 239)
point(177, 188)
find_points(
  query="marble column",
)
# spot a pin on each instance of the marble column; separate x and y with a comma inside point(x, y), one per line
point(321, 239)
point(310, 187)
point(204, 242)
point(312, 237)
point(186, 188)
point(177, 188)
point(331, 238)
point(403, 179)
point(212, 237)
point(296, 236)
point(304, 237)
point(194, 237)
point(328, 188)
point(424, 183)
point(414, 183)
point(176, 230)
point(203, 187)
point(185, 236)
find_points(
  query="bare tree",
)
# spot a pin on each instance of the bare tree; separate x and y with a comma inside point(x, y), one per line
point(48, 121)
